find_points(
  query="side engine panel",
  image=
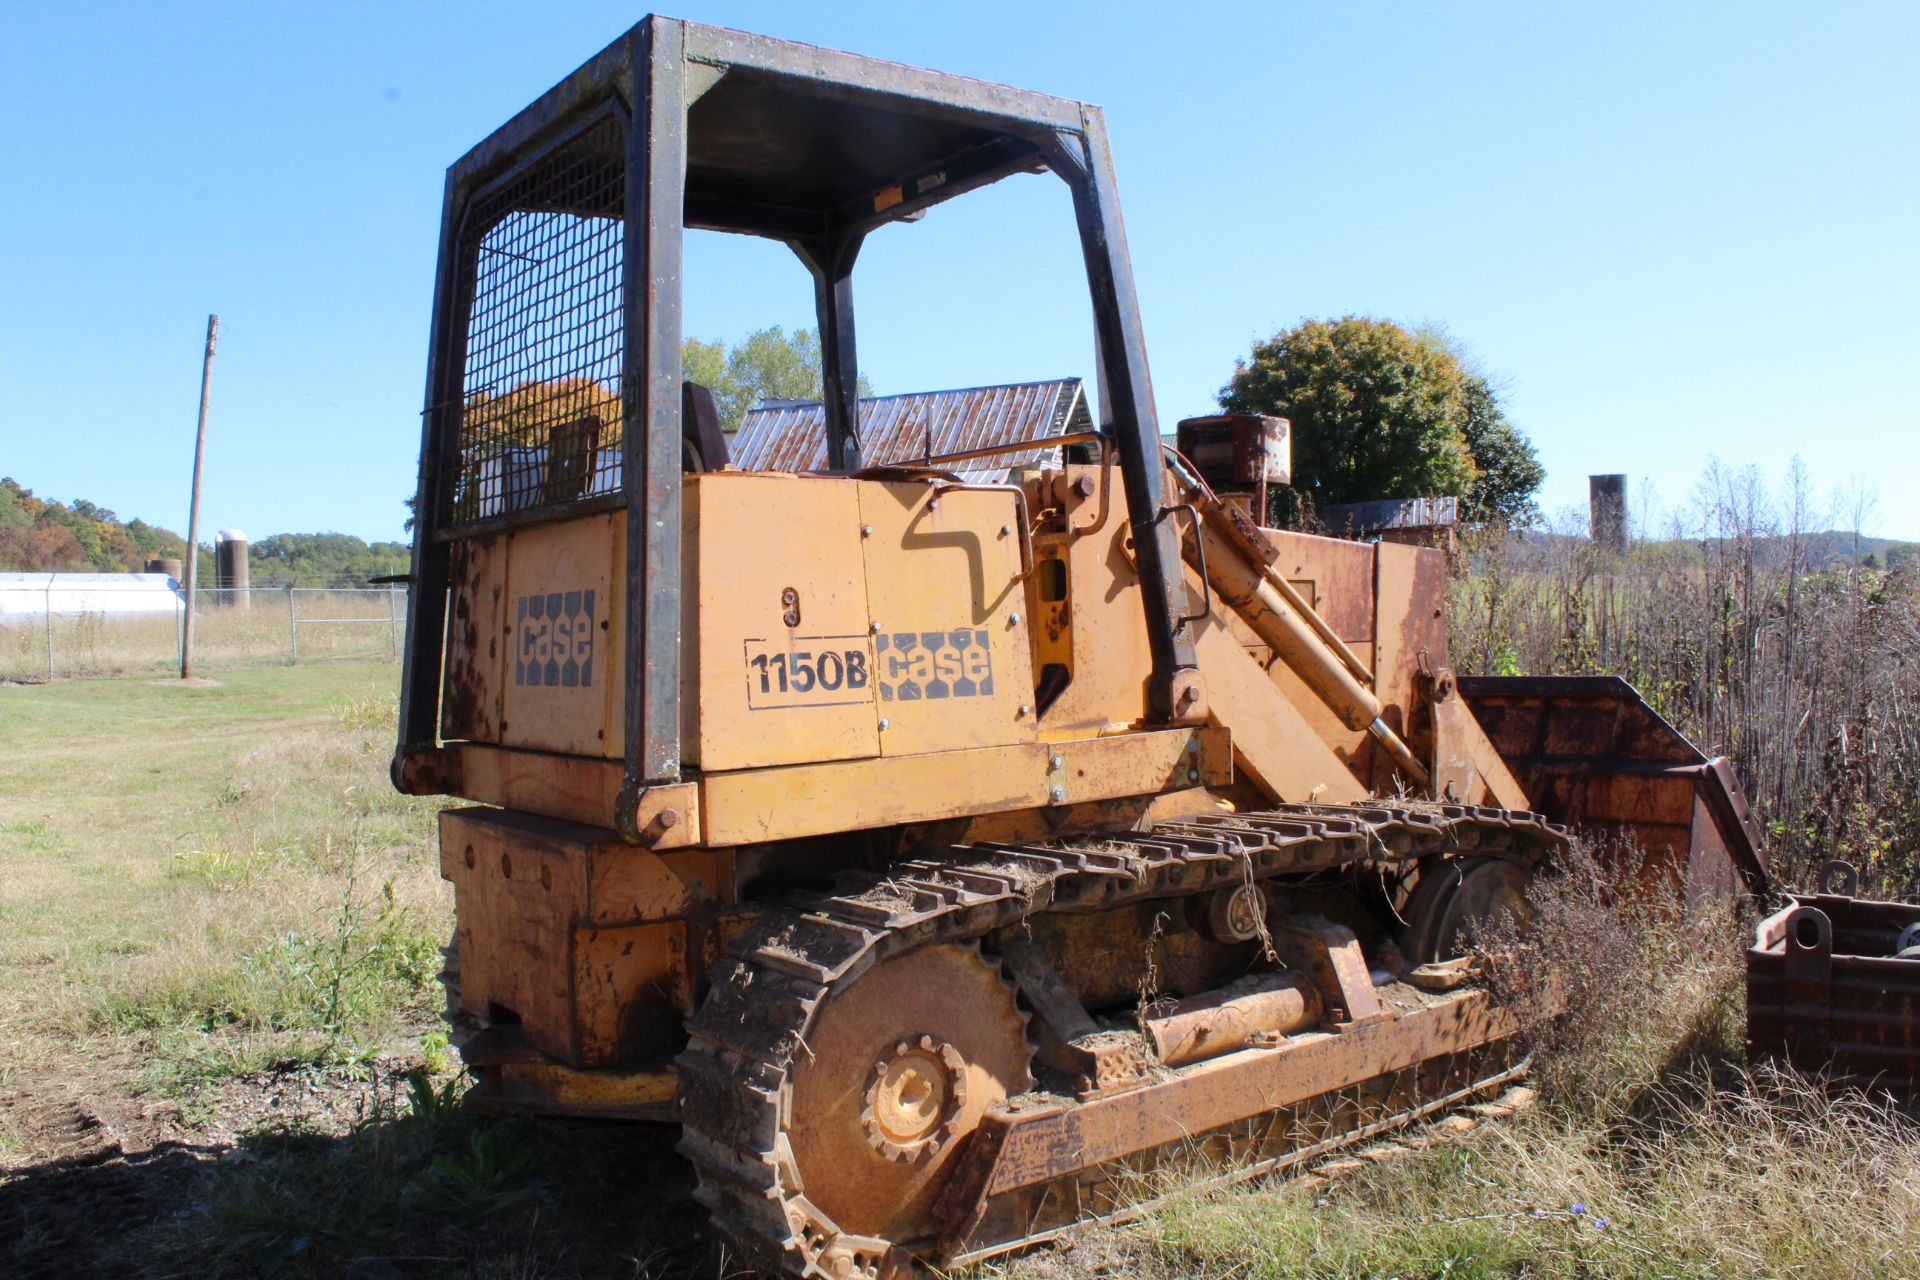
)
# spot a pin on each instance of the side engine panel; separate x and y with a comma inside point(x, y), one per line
point(535, 637)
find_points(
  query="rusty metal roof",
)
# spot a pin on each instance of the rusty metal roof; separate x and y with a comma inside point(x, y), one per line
point(790, 435)
point(1356, 519)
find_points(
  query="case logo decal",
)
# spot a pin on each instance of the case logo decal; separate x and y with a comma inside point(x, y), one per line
point(555, 647)
point(916, 665)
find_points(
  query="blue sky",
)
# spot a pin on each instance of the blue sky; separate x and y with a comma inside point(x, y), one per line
point(1668, 231)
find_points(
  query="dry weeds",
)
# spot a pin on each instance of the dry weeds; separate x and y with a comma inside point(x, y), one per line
point(1656, 1151)
point(1801, 672)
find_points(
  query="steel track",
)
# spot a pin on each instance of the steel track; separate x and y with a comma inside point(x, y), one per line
point(746, 1036)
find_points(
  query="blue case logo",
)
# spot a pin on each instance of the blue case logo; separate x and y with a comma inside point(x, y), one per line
point(916, 665)
point(556, 640)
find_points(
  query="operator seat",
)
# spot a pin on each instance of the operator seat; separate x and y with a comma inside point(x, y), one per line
point(703, 446)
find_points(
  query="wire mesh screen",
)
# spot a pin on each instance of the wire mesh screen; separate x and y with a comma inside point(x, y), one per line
point(540, 409)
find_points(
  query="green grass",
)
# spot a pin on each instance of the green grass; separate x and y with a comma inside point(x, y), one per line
point(211, 878)
point(214, 906)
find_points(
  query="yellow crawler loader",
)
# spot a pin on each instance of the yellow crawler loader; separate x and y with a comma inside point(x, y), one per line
point(939, 842)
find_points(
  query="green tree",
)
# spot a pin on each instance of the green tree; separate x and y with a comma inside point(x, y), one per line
point(1509, 470)
point(1379, 411)
point(322, 560)
point(704, 363)
point(769, 364)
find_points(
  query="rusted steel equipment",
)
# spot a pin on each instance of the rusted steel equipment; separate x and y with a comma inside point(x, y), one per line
point(1833, 983)
point(1239, 452)
point(938, 852)
point(1593, 755)
point(1259, 1008)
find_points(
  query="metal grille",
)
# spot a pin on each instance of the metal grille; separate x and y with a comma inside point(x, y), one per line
point(540, 408)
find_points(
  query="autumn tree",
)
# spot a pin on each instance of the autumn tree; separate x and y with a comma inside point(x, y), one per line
point(583, 417)
point(42, 535)
point(526, 414)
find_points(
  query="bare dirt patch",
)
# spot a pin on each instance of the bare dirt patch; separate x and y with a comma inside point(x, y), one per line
point(96, 1160)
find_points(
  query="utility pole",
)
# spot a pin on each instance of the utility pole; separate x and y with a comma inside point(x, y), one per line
point(193, 511)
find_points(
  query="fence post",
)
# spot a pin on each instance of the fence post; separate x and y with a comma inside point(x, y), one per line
point(49, 626)
point(293, 629)
point(393, 620)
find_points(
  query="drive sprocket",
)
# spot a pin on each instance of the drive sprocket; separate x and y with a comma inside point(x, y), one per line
point(897, 1068)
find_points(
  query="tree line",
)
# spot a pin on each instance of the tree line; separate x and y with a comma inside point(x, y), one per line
point(1378, 410)
point(43, 535)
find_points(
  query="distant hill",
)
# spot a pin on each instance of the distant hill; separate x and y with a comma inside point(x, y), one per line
point(46, 536)
point(39, 535)
point(1831, 549)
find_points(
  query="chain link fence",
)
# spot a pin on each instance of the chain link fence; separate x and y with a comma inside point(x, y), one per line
point(128, 630)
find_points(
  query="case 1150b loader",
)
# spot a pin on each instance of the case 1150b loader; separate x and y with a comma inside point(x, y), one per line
point(936, 852)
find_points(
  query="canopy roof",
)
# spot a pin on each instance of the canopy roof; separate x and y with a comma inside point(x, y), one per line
point(796, 142)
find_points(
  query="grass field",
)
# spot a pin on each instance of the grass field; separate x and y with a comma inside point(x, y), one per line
point(219, 1055)
point(207, 880)
point(219, 1016)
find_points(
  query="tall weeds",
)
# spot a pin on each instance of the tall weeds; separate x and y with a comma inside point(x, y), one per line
point(1754, 634)
point(1656, 1151)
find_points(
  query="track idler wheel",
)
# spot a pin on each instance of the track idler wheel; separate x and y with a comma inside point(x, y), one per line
point(1457, 894)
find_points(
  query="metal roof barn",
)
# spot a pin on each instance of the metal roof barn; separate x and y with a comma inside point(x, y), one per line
point(26, 597)
point(790, 435)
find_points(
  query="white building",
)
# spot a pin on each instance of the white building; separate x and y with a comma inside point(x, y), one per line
point(29, 596)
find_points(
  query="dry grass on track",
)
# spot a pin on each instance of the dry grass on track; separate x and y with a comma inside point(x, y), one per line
point(1654, 1152)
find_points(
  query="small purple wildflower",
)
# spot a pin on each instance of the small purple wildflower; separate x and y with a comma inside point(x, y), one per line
point(1578, 1207)
point(1601, 1224)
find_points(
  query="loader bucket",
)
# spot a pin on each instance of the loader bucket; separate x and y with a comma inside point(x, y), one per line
point(1593, 755)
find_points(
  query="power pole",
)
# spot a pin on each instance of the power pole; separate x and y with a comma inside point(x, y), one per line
point(193, 511)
